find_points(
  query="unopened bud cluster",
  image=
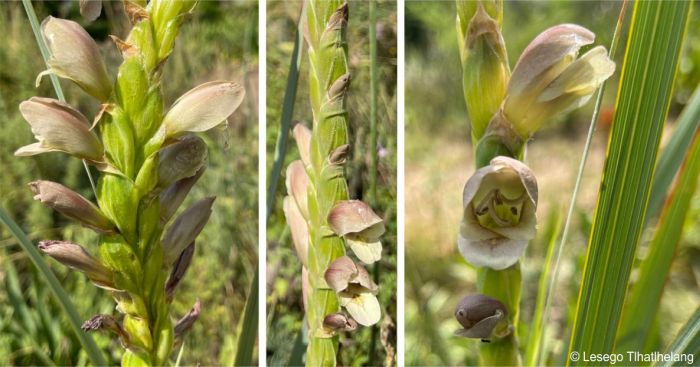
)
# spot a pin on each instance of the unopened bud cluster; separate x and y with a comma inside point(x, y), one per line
point(149, 160)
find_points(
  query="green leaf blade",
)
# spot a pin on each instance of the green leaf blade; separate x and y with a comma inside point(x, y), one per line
point(642, 104)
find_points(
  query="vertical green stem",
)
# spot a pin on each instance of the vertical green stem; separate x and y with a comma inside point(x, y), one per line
point(326, 37)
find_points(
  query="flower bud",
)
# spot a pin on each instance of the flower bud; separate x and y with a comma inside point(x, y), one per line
point(203, 107)
point(75, 257)
point(356, 291)
point(75, 56)
point(339, 322)
point(549, 79)
point(297, 182)
point(178, 271)
point(185, 323)
point(181, 159)
point(299, 228)
point(500, 201)
point(186, 227)
point(485, 69)
point(59, 127)
point(339, 87)
point(72, 205)
point(175, 194)
point(302, 135)
point(90, 9)
point(479, 315)
point(361, 227)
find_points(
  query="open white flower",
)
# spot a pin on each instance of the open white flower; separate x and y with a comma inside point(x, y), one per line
point(356, 290)
point(499, 201)
point(360, 226)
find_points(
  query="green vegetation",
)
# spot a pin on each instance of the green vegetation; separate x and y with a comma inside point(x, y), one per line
point(286, 321)
point(219, 42)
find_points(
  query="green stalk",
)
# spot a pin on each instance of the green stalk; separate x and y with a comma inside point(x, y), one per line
point(326, 38)
point(130, 138)
point(64, 301)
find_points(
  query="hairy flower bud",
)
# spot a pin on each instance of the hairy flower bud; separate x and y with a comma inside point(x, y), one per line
point(106, 323)
point(499, 213)
point(302, 135)
point(299, 228)
point(181, 159)
point(297, 182)
point(75, 257)
point(361, 227)
point(356, 290)
point(72, 205)
point(59, 127)
point(549, 78)
point(203, 107)
point(479, 315)
point(186, 227)
point(75, 56)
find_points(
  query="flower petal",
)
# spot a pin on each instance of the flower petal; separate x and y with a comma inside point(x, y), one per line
point(496, 253)
point(90, 9)
point(297, 182)
point(76, 257)
point(483, 329)
point(59, 127)
point(354, 216)
point(75, 56)
point(363, 307)
point(186, 227)
point(367, 252)
point(181, 159)
point(203, 107)
point(546, 50)
point(299, 228)
point(302, 135)
point(582, 77)
point(340, 272)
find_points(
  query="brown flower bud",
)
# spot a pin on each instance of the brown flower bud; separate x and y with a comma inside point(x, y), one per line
point(172, 197)
point(181, 159)
point(90, 9)
point(339, 322)
point(178, 271)
point(185, 229)
point(75, 257)
point(72, 205)
point(479, 315)
point(186, 322)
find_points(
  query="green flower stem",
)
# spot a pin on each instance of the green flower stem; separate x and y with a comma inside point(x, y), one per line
point(326, 38)
point(129, 131)
point(485, 74)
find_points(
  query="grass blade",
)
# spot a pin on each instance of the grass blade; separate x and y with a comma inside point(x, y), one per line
point(63, 300)
point(643, 302)
point(290, 95)
point(249, 327)
point(535, 356)
point(648, 71)
point(536, 338)
point(687, 341)
point(672, 155)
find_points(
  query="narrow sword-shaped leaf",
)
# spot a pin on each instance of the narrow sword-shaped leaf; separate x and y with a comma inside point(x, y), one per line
point(646, 83)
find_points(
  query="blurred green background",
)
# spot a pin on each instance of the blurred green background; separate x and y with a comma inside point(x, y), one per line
point(439, 160)
point(284, 304)
point(219, 42)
